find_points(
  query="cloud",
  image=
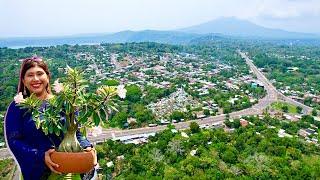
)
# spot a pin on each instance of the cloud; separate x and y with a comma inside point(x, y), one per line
point(290, 15)
point(61, 17)
point(287, 9)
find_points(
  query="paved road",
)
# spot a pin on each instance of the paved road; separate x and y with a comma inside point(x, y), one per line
point(272, 92)
point(272, 96)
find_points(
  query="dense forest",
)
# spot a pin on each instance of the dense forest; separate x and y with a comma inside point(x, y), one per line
point(255, 151)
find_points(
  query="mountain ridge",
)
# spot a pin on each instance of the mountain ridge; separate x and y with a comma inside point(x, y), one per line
point(235, 27)
point(223, 27)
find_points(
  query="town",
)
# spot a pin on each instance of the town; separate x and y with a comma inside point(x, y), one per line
point(183, 90)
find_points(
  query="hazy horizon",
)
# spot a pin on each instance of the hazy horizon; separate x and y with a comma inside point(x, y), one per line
point(35, 18)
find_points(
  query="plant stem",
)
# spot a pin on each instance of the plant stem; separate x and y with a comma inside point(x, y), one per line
point(70, 142)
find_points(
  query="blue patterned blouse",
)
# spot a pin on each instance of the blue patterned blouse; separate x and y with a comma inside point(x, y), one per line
point(29, 144)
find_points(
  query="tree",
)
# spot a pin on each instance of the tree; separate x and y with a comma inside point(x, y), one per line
point(144, 116)
point(154, 93)
point(226, 108)
point(293, 153)
point(176, 146)
point(194, 127)
point(229, 156)
point(307, 101)
point(228, 123)
point(236, 123)
point(172, 173)
point(227, 116)
point(119, 119)
point(206, 112)
point(111, 82)
point(134, 93)
point(188, 107)
point(314, 112)
point(177, 115)
point(285, 108)
point(299, 109)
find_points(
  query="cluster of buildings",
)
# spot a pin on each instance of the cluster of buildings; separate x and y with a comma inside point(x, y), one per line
point(309, 134)
point(161, 71)
point(177, 101)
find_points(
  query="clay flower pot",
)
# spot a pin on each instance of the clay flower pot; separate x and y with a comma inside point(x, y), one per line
point(69, 162)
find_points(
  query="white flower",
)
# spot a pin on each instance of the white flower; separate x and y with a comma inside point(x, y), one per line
point(58, 87)
point(174, 131)
point(183, 134)
point(193, 152)
point(19, 98)
point(95, 131)
point(109, 164)
point(121, 91)
point(120, 157)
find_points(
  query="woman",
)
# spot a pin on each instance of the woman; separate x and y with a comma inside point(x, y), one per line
point(30, 146)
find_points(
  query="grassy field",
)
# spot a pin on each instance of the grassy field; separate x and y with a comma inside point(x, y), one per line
point(278, 106)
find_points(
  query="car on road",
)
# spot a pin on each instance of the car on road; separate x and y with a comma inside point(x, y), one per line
point(153, 125)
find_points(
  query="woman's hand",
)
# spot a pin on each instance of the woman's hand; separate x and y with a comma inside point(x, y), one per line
point(49, 162)
point(94, 152)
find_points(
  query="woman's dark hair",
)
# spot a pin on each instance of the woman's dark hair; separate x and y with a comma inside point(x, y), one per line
point(30, 63)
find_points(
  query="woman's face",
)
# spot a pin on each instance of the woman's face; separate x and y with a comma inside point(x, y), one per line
point(36, 80)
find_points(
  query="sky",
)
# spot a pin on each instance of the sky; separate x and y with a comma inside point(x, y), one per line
point(29, 18)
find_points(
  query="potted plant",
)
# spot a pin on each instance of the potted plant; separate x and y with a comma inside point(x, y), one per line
point(80, 108)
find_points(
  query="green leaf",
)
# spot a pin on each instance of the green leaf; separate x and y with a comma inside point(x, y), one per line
point(96, 118)
point(103, 115)
point(114, 108)
point(85, 117)
point(68, 108)
point(83, 130)
point(50, 129)
point(57, 131)
point(45, 130)
point(37, 122)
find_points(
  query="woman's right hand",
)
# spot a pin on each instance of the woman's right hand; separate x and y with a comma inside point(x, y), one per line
point(49, 162)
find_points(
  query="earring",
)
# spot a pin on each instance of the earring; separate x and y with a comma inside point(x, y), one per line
point(24, 91)
point(47, 89)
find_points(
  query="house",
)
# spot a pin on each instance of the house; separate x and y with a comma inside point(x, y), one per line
point(162, 121)
point(316, 99)
point(310, 131)
point(303, 133)
point(199, 114)
point(289, 117)
point(132, 120)
point(282, 133)
point(306, 132)
point(232, 100)
point(292, 69)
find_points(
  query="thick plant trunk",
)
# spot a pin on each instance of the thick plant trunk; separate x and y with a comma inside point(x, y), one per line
point(70, 143)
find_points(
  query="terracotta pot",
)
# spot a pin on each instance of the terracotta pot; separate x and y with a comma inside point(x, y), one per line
point(80, 162)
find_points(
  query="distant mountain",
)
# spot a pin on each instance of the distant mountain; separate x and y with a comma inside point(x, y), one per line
point(242, 28)
point(171, 37)
point(215, 30)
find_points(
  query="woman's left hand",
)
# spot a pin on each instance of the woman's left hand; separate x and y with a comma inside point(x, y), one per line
point(94, 152)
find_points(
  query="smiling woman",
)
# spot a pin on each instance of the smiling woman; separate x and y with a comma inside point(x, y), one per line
point(31, 147)
point(34, 78)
